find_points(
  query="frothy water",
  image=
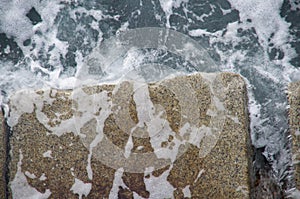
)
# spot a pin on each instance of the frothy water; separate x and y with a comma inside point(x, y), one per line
point(51, 43)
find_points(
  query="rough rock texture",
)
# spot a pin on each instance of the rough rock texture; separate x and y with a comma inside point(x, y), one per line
point(2, 157)
point(294, 121)
point(185, 137)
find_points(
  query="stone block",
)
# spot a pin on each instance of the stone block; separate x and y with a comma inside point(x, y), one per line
point(294, 122)
point(3, 156)
point(182, 137)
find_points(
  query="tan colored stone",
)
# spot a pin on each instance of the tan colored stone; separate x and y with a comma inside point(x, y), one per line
point(294, 122)
point(101, 138)
point(2, 157)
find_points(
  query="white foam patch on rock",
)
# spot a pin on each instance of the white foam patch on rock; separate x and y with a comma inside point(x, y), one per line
point(137, 196)
point(28, 101)
point(159, 129)
point(81, 188)
point(88, 106)
point(144, 105)
point(64, 125)
point(162, 136)
point(128, 147)
point(199, 175)
point(100, 103)
point(43, 177)
point(157, 126)
point(20, 187)
point(159, 187)
point(118, 181)
point(89, 166)
point(30, 175)
point(195, 134)
point(186, 191)
point(21, 105)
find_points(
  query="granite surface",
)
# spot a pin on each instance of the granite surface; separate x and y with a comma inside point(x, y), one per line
point(294, 122)
point(184, 137)
point(2, 157)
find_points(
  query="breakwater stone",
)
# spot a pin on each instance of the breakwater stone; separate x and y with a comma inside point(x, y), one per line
point(182, 137)
point(3, 155)
point(294, 122)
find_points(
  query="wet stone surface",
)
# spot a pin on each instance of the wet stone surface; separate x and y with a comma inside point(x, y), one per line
point(185, 137)
point(2, 157)
point(294, 121)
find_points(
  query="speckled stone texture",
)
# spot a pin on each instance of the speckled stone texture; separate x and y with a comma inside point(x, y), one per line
point(294, 121)
point(2, 157)
point(59, 142)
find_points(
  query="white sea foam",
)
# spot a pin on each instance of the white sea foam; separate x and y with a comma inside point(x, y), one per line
point(118, 182)
point(295, 5)
point(270, 27)
point(186, 191)
point(15, 23)
point(168, 5)
point(165, 189)
point(81, 188)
